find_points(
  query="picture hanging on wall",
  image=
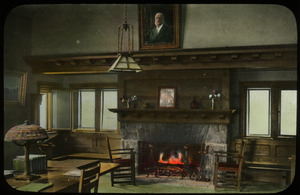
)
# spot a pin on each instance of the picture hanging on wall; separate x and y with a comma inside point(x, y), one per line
point(167, 97)
point(15, 87)
point(159, 26)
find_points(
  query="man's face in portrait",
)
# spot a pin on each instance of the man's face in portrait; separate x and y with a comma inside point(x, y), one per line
point(158, 19)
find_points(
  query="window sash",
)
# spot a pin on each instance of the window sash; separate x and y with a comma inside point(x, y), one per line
point(258, 112)
point(44, 111)
point(84, 111)
point(109, 99)
point(60, 109)
point(288, 112)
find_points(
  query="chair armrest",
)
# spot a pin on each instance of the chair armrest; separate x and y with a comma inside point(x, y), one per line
point(122, 149)
point(123, 153)
point(222, 152)
point(226, 154)
point(229, 156)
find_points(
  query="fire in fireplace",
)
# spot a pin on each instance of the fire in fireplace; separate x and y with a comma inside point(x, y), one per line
point(165, 159)
point(174, 159)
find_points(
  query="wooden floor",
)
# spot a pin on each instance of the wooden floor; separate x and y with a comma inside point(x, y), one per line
point(182, 186)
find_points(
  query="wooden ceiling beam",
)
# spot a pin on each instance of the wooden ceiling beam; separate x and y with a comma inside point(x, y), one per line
point(283, 56)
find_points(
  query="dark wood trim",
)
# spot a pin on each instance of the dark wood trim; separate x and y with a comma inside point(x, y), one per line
point(93, 85)
point(174, 115)
point(274, 56)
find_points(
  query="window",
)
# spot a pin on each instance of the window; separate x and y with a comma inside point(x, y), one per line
point(288, 112)
point(91, 109)
point(81, 108)
point(258, 112)
point(43, 111)
point(269, 109)
point(61, 109)
point(84, 115)
point(55, 110)
point(109, 99)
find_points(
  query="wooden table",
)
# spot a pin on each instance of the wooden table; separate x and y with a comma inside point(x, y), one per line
point(64, 174)
point(89, 155)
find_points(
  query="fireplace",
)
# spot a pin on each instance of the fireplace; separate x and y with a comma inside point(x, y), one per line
point(169, 159)
point(170, 139)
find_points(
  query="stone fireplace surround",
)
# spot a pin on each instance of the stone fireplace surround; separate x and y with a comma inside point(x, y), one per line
point(213, 135)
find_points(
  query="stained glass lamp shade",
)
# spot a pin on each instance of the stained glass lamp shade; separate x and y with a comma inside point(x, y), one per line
point(24, 135)
point(125, 63)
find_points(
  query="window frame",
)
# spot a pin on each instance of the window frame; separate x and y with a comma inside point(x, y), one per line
point(247, 112)
point(47, 107)
point(98, 108)
point(275, 89)
point(102, 108)
point(47, 88)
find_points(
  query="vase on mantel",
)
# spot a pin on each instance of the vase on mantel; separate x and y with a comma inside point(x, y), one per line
point(212, 103)
point(194, 104)
point(128, 104)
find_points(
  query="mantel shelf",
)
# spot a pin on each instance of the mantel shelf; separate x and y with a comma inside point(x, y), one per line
point(174, 115)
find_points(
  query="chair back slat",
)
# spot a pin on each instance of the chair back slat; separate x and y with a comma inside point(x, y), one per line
point(89, 179)
point(87, 188)
point(91, 172)
point(109, 149)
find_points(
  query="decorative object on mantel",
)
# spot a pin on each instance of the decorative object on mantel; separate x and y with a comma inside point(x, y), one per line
point(146, 105)
point(125, 62)
point(25, 135)
point(129, 101)
point(167, 97)
point(214, 96)
point(194, 104)
point(174, 115)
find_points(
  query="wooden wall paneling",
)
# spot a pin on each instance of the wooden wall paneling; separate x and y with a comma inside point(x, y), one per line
point(189, 84)
point(93, 142)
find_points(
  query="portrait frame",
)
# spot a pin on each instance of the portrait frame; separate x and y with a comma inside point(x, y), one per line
point(15, 84)
point(167, 97)
point(147, 23)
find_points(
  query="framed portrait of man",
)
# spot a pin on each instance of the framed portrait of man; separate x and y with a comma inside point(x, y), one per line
point(159, 26)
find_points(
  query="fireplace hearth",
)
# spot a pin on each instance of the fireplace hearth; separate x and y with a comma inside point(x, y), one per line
point(176, 135)
point(165, 159)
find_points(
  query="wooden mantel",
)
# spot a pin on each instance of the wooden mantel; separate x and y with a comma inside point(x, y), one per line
point(273, 56)
point(174, 115)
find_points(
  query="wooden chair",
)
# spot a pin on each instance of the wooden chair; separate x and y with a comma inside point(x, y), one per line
point(126, 173)
point(89, 179)
point(228, 168)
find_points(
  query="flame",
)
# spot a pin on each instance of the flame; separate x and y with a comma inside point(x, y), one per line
point(172, 160)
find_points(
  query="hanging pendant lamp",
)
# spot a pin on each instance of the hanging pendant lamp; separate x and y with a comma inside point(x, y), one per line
point(125, 62)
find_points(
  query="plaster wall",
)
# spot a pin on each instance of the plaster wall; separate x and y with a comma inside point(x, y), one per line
point(93, 28)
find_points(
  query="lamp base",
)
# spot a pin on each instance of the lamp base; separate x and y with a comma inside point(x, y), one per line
point(27, 177)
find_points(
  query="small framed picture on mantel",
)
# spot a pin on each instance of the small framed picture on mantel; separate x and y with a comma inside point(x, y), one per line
point(167, 97)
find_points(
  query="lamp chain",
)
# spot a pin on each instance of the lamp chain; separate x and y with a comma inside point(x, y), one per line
point(125, 13)
point(125, 27)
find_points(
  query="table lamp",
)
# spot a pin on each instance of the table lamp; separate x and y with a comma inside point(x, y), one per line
point(25, 135)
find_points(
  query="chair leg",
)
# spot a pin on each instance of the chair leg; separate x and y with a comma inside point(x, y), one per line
point(133, 177)
point(239, 181)
point(133, 168)
point(112, 178)
point(215, 173)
